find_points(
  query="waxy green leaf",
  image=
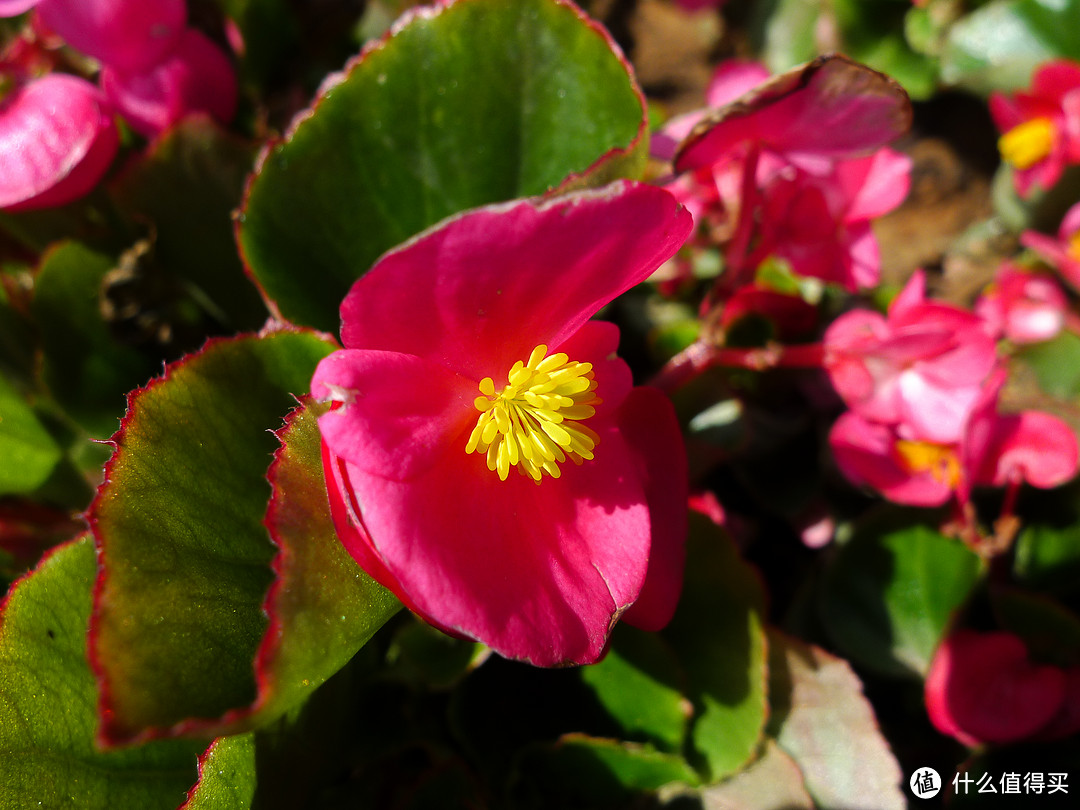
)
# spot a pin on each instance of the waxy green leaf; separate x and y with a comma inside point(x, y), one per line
point(29, 451)
point(178, 612)
point(47, 705)
point(226, 775)
point(463, 104)
point(890, 593)
point(719, 639)
point(87, 370)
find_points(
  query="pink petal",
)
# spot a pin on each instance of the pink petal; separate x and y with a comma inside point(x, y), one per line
point(981, 687)
point(874, 185)
point(482, 289)
point(1055, 78)
point(56, 142)
point(595, 343)
point(647, 421)
point(13, 8)
point(832, 108)
point(124, 35)
point(537, 572)
point(1032, 446)
point(734, 78)
point(196, 77)
point(400, 412)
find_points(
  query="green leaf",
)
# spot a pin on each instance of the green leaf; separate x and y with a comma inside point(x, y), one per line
point(465, 104)
point(47, 702)
point(787, 32)
point(421, 655)
point(889, 594)
point(226, 775)
point(179, 521)
point(718, 637)
point(1056, 364)
point(1050, 630)
point(873, 33)
point(640, 684)
point(85, 368)
point(1048, 557)
point(997, 47)
point(185, 189)
point(582, 771)
point(772, 782)
point(29, 452)
point(822, 719)
point(323, 607)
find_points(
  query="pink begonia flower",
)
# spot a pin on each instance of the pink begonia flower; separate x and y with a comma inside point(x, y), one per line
point(1024, 306)
point(1062, 253)
point(821, 224)
point(195, 77)
point(1041, 128)
point(488, 459)
point(126, 35)
point(13, 8)
point(922, 368)
point(1001, 450)
point(57, 139)
point(983, 688)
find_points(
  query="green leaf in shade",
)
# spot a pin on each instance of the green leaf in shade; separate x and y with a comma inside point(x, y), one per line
point(1048, 557)
point(464, 104)
point(1056, 364)
point(718, 637)
point(997, 47)
point(226, 775)
point(582, 771)
point(85, 368)
point(772, 782)
point(1049, 629)
point(29, 451)
point(421, 655)
point(185, 189)
point(323, 607)
point(47, 705)
point(888, 596)
point(640, 684)
point(873, 33)
point(824, 722)
point(178, 612)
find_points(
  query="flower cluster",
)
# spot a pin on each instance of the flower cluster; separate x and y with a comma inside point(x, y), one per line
point(790, 173)
point(923, 383)
point(58, 127)
point(487, 457)
point(1040, 128)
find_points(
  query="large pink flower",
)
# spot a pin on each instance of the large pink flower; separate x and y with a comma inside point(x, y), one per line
point(921, 368)
point(1041, 128)
point(488, 459)
point(57, 139)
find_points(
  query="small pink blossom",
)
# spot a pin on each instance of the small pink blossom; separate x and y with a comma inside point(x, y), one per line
point(1023, 306)
point(983, 688)
point(489, 459)
point(12, 8)
point(919, 370)
point(195, 77)
point(1062, 253)
point(1041, 128)
point(57, 139)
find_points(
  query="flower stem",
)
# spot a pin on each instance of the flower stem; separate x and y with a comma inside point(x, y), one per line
point(698, 357)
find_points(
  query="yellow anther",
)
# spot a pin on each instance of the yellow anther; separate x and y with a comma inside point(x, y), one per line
point(940, 460)
point(1026, 144)
point(533, 422)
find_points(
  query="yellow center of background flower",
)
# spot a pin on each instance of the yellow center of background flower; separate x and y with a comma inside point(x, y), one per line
point(1026, 144)
point(939, 460)
point(533, 422)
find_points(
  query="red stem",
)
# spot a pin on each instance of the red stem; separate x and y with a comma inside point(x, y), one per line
point(698, 357)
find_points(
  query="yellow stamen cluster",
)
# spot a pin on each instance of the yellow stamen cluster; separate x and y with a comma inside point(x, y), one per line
point(1026, 144)
point(533, 422)
point(939, 460)
point(1073, 248)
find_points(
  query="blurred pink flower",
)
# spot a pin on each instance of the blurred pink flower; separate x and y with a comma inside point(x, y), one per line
point(1041, 128)
point(488, 459)
point(983, 688)
point(920, 369)
point(127, 35)
point(1062, 253)
point(1024, 306)
point(196, 76)
point(57, 139)
point(12, 8)
point(1001, 450)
